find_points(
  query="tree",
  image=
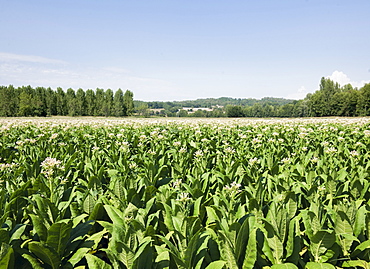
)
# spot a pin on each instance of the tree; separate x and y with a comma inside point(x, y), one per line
point(364, 100)
point(80, 103)
point(128, 101)
point(8, 101)
point(118, 104)
point(142, 109)
point(39, 102)
point(50, 102)
point(61, 102)
point(90, 102)
point(108, 103)
point(71, 102)
point(25, 107)
point(234, 111)
point(99, 102)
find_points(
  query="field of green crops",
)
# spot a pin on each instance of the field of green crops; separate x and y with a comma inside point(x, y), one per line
point(101, 193)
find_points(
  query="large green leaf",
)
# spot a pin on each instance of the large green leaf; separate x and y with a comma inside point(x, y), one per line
point(40, 227)
point(284, 266)
point(216, 265)
point(250, 257)
point(6, 256)
point(356, 263)
point(274, 243)
point(45, 254)
point(317, 265)
point(343, 231)
point(58, 235)
point(95, 262)
point(320, 243)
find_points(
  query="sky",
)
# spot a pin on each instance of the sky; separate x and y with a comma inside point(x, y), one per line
point(167, 50)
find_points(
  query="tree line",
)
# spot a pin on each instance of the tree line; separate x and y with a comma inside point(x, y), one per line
point(40, 101)
point(331, 99)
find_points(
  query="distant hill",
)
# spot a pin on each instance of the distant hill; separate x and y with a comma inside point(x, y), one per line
point(222, 101)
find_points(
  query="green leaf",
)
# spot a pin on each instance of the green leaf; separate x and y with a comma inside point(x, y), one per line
point(274, 243)
point(251, 250)
point(321, 242)
point(284, 266)
point(89, 203)
point(144, 256)
point(343, 229)
point(242, 239)
point(227, 251)
point(95, 262)
point(91, 242)
point(317, 265)
point(35, 263)
point(212, 215)
point(58, 235)
point(173, 250)
point(360, 221)
point(216, 265)
point(356, 263)
point(45, 254)
point(17, 232)
point(6, 256)
point(39, 227)
point(364, 245)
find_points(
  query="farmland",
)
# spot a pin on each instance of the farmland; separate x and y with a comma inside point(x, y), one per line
point(138, 193)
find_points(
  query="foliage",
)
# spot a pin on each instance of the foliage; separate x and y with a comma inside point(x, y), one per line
point(226, 194)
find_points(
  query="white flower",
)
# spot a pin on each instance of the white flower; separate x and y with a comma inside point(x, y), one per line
point(230, 150)
point(285, 160)
point(325, 143)
point(314, 159)
point(198, 154)
point(330, 150)
point(53, 136)
point(253, 161)
point(183, 197)
point(4, 166)
point(233, 188)
point(321, 188)
point(177, 183)
point(256, 140)
point(182, 150)
point(49, 165)
point(354, 153)
point(177, 143)
point(132, 165)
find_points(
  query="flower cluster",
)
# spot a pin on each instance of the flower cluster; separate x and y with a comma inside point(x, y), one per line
point(49, 165)
point(233, 188)
point(183, 197)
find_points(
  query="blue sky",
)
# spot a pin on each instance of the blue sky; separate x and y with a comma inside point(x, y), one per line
point(185, 49)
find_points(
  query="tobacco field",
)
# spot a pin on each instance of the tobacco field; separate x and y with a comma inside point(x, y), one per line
point(213, 194)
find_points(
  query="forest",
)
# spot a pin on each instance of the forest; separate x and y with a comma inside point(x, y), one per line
point(331, 99)
point(40, 101)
